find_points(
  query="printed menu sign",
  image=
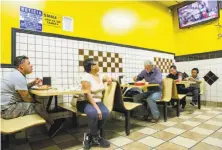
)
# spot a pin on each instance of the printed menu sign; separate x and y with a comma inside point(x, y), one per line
point(30, 19)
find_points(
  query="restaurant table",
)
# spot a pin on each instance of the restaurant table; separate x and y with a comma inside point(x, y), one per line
point(143, 87)
point(54, 92)
point(186, 83)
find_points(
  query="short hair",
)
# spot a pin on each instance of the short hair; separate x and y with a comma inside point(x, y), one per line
point(19, 60)
point(196, 70)
point(174, 67)
point(87, 64)
point(148, 62)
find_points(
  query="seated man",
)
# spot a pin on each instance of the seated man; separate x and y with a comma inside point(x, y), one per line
point(16, 100)
point(152, 75)
point(175, 75)
point(194, 77)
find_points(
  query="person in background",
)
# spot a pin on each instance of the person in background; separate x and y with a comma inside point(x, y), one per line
point(175, 75)
point(194, 77)
point(92, 105)
point(16, 100)
point(152, 75)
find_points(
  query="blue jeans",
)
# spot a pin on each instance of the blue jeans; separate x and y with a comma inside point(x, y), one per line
point(150, 97)
point(93, 122)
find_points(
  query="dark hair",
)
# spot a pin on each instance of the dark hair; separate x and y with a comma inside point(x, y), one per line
point(174, 67)
point(87, 64)
point(19, 60)
point(197, 70)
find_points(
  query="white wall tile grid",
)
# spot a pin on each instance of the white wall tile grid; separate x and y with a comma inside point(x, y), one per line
point(58, 58)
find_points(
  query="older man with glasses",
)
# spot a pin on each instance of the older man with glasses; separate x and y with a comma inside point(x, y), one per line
point(16, 100)
point(152, 75)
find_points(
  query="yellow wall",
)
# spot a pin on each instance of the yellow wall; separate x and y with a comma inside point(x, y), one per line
point(153, 28)
point(197, 39)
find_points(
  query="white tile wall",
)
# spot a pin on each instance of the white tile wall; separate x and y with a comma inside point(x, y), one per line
point(213, 92)
point(58, 58)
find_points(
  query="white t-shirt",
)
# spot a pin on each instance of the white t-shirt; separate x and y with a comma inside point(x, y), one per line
point(96, 87)
point(9, 86)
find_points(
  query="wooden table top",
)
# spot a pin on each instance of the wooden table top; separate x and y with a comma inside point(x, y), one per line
point(138, 86)
point(54, 92)
point(186, 82)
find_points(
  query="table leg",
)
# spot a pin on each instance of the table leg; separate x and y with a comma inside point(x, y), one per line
point(49, 103)
point(56, 102)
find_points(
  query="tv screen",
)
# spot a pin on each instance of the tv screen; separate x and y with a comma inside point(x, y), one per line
point(198, 12)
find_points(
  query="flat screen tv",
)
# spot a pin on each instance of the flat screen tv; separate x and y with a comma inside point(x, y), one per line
point(198, 12)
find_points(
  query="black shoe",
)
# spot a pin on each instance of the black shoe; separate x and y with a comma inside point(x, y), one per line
point(56, 127)
point(146, 118)
point(87, 141)
point(98, 140)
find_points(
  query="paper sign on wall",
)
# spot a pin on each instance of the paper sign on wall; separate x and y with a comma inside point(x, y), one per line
point(52, 20)
point(67, 24)
point(30, 19)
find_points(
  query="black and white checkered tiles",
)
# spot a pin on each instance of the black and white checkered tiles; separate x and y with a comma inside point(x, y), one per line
point(108, 62)
point(163, 63)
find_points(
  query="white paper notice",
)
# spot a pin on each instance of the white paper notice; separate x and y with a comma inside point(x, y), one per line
point(67, 24)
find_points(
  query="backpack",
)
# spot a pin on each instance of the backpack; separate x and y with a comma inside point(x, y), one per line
point(130, 93)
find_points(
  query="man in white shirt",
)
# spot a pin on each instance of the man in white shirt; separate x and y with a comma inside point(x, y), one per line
point(194, 77)
point(16, 100)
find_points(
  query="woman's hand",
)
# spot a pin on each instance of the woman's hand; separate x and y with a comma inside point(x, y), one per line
point(99, 114)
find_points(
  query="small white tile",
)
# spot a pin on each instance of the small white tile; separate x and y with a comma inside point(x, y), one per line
point(38, 54)
point(174, 130)
point(52, 49)
point(188, 143)
point(45, 68)
point(64, 43)
point(205, 117)
point(52, 42)
point(191, 123)
point(46, 55)
point(120, 141)
point(197, 113)
point(219, 130)
point(23, 39)
point(23, 53)
point(213, 141)
point(38, 68)
point(214, 112)
point(205, 108)
point(151, 141)
point(216, 123)
point(168, 123)
point(52, 55)
point(202, 131)
point(219, 116)
point(38, 47)
point(31, 40)
point(38, 40)
point(38, 61)
point(58, 42)
point(147, 131)
point(46, 49)
point(184, 117)
point(23, 46)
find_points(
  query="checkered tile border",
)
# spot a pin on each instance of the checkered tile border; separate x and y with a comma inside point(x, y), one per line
point(163, 63)
point(108, 62)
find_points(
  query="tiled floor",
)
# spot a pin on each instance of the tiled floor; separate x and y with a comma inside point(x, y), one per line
point(195, 129)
